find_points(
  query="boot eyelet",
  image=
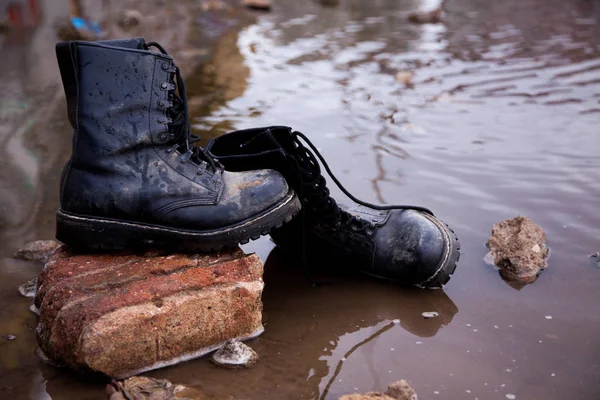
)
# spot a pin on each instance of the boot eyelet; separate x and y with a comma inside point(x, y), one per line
point(162, 137)
point(165, 67)
point(164, 85)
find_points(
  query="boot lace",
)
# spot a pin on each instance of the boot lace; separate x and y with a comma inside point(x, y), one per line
point(323, 208)
point(182, 138)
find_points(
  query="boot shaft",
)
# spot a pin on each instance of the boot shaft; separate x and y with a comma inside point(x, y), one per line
point(117, 97)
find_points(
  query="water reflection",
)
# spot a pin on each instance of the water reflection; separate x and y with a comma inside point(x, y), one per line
point(500, 120)
point(314, 336)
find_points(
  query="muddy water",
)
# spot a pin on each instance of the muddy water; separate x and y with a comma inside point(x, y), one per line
point(502, 118)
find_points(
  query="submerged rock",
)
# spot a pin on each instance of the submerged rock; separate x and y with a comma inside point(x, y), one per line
point(40, 250)
point(122, 314)
point(144, 388)
point(518, 248)
point(263, 5)
point(27, 289)
point(596, 257)
point(400, 390)
point(430, 314)
point(235, 354)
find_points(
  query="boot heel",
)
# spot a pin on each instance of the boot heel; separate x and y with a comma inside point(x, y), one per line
point(90, 233)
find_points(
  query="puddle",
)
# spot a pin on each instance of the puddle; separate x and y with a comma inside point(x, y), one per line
point(500, 119)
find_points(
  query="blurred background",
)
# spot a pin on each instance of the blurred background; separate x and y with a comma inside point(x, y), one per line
point(478, 110)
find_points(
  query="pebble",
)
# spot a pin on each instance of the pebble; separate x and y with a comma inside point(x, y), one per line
point(235, 354)
point(430, 314)
point(404, 77)
point(27, 289)
point(39, 250)
point(130, 19)
point(11, 337)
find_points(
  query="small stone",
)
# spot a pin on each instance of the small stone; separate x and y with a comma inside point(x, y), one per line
point(511, 396)
point(144, 388)
point(40, 250)
point(27, 289)
point(262, 5)
point(11, 337)
point(404, 77)
point(430, 314)
point(401, 390)
point(235, 354)
point(596, 257)
point(518, 248)
point(428, 17)
point(130, 19)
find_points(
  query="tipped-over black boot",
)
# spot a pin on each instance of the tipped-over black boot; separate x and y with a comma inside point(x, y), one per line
point(401, 243)
point(134, 177)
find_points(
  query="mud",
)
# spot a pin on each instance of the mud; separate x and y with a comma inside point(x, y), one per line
point(501, 119)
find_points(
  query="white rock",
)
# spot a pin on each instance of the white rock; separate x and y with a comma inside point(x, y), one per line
point(430, 314)
point(404, 77)
point(27, 289)
point(235, 354)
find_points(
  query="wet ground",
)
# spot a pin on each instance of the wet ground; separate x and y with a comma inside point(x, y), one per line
point(502, 119)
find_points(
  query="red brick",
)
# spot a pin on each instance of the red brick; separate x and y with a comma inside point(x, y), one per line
point(121, 314)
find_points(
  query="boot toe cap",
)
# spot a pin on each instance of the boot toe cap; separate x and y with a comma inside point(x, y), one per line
point(412, 247)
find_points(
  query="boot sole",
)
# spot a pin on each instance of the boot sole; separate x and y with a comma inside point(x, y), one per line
point(110, 234)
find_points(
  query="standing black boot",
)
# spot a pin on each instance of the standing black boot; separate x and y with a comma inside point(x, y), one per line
point(135, 177)
point(401, 243)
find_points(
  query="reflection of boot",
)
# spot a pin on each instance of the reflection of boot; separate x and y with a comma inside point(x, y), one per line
point(135, 176)
point(401, 243)
point(311, 332)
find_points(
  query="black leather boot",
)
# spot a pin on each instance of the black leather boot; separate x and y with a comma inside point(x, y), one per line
point(134, 177)
point(401, 243)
